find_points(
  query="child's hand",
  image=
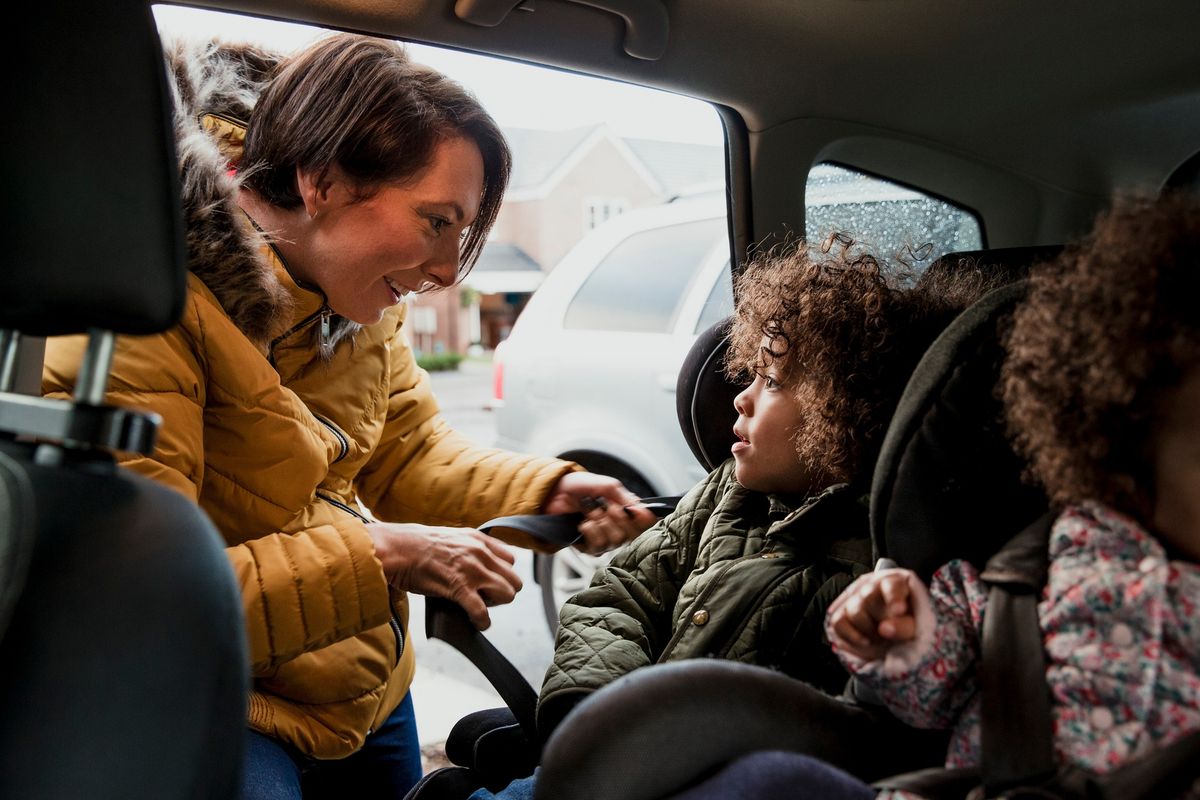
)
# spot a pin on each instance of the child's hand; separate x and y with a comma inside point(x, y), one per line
point(874, 613)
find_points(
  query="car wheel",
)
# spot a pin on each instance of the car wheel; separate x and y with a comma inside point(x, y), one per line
point(562, 575)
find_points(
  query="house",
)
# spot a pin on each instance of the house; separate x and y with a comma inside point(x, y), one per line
point(564, 184)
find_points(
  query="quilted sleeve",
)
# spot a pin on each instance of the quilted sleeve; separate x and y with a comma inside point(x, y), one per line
point(929, 681)
point(423, 471)
point(300, 591)
point(623, 620)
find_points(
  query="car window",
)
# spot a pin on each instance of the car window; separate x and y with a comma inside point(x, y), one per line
point(641, 283)
point(893, 221)
point(719, 303)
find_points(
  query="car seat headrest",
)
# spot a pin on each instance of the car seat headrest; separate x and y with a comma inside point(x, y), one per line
point(88, 166)
point(947, 483)
point(704, 397)
point(1006, 263)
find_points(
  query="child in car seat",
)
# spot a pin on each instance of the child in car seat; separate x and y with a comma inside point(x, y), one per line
point(1101, 388)
point(746, 566)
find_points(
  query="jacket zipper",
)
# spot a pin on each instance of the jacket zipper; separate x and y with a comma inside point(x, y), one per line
point(324, 313)
point(343, 440)
point(397, 629)
point(335, 502)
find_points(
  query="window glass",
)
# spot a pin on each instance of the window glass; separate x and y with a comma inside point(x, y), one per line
point(892, 221)
point(719, 304)
point(639, 285)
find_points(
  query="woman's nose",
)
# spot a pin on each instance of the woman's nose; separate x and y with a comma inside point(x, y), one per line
point(442, 269)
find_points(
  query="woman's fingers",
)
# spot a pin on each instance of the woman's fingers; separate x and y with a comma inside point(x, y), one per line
point(460, 564)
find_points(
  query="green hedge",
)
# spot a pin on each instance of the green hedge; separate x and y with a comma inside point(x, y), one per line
point(437, 362)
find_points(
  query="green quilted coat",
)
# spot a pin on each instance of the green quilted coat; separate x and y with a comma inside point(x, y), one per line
point(731, 574)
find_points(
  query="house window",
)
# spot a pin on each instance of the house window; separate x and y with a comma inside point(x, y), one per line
point(597, 210)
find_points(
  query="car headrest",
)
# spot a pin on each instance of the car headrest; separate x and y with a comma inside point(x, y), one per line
point(87, 163)
point(1007, 263)
point(947, 483)
point(704, 397)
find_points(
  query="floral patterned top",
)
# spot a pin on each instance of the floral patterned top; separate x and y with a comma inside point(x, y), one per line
point(1121, 637)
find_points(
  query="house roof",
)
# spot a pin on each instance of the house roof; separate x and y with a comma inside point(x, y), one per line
point(680, 166)
point(536, 153)
point(677, 166)
point(503, 257)
point(504, 268)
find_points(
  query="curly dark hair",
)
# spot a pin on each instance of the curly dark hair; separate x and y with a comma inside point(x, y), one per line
point(1106, 330)
point(845, 334)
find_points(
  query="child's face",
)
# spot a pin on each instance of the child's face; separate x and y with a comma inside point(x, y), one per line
point(768, 416)
point(1176, 462)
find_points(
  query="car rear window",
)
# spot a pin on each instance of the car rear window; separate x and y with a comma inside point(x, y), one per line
point(719, 303)
point(640, 285)
point(891, 220)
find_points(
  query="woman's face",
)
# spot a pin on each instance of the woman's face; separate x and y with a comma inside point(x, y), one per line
point(366, 254)
point(1176, 460)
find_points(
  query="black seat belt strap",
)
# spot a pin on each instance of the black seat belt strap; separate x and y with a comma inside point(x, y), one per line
point(1017, 734)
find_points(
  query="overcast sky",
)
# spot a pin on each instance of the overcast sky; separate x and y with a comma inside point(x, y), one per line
point(517, 95)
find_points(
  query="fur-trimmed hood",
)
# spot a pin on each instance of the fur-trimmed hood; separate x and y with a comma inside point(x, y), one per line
point(224, 249)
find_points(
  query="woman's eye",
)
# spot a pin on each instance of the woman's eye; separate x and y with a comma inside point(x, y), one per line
point(770, 382)
point(438, 224)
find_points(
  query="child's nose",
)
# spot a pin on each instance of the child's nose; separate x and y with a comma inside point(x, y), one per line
point(742, 403)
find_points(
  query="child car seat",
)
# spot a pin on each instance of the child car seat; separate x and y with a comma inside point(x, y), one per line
point(483, 742)
point(944, 455)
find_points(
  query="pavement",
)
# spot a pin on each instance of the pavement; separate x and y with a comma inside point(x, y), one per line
point(447, 687)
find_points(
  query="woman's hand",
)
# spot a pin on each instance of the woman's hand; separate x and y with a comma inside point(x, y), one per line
point(460, 564)
point(613, 516)
point(874, 613)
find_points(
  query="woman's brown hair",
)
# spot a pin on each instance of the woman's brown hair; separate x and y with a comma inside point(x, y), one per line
point(359, 104)
point(1106, 329)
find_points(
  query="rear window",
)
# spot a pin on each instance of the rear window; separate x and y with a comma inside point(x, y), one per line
point(640, 285)
point(891, 220)
point(719, 303)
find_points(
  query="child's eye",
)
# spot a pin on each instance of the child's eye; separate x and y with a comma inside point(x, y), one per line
point(770, 382)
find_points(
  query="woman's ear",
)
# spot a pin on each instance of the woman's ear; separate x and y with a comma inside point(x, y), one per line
point(314, 188)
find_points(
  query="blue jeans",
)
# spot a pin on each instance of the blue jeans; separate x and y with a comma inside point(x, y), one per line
point(778, 775)
point(387, 765)
point(766, 775)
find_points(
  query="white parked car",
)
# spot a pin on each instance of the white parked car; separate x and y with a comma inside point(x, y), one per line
point(588, 372)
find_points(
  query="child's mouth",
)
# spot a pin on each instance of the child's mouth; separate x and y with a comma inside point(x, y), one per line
point(739, 445)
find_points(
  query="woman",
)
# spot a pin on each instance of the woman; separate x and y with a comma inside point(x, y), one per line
point(288, 394)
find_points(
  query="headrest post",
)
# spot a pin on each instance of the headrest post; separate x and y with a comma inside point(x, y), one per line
point(9, 351)
point(93, 372)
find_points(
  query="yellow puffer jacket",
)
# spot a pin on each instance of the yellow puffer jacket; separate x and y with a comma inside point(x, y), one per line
point(278, 438)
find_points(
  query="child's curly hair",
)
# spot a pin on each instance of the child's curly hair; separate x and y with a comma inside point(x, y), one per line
point(1105, 329)
point(846, 335)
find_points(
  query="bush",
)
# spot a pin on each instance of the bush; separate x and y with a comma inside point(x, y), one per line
point(438, 362)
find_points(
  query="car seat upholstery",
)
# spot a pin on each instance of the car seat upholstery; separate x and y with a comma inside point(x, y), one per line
point(122, 664)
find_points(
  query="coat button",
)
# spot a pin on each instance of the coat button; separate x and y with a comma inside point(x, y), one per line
point(1121, 635)
point(700, 617)
point(1148, 564)
point(1102, 719)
